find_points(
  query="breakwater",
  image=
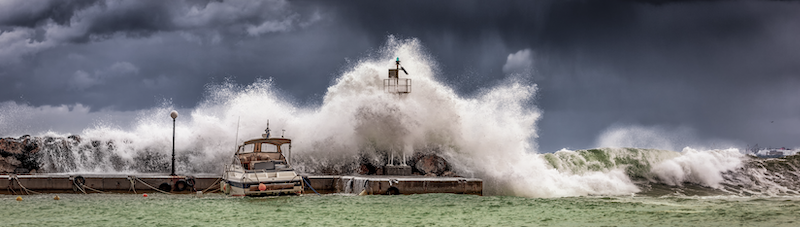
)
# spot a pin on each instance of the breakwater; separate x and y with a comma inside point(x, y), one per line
point(146, 183)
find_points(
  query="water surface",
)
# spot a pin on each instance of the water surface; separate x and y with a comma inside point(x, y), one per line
point(408, 210)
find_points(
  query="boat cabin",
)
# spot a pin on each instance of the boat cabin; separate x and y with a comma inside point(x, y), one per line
point(263, 154)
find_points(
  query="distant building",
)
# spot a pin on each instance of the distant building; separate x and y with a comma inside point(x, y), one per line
point(776, 153)
point(772, 152)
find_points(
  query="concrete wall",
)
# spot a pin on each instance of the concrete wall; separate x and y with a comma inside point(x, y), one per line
point(120, 184)
point(59, 183)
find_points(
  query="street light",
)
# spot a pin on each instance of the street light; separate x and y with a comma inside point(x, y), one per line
point(173, 114)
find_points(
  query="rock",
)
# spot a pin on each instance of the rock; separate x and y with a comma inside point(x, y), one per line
point(13, 161)
point(31, 146)
point(5, 167)
point(75, 138)
point(19, 146)
point(363, 169)
point(449, 174)
point(11, 146)
point(430, 175)
point(398, 170)
point(431, 163)
point(21, 170)
point(17, 155)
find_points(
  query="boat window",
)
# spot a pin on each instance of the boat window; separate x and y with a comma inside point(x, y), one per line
point(268, 147)
point(285, 148)
point(264, 165)
point(248, 148)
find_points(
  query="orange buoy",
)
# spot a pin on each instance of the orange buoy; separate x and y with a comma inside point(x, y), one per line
point(262, 187)
point(19, 198)
point(144, 195)
point(56, 198)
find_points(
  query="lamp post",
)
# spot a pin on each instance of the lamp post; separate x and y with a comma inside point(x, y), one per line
point(173, 114)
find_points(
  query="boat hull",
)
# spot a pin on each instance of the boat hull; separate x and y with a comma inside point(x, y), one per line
point(269, 188)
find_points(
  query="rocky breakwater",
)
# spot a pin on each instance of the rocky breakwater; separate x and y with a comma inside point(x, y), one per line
point(421, 163)
point(19, 155)
point(26, 154)
point(50, 154)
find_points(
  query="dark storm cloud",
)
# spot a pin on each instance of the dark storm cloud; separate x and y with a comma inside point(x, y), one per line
point(648, 66)
point(56, 52)
point(34, 13)
point(725, 69)
point(98, 20)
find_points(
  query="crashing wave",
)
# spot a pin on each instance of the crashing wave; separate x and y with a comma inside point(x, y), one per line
point(489, 135)
point(689, 172)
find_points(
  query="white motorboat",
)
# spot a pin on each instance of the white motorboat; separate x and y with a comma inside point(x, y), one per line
point(260, 167)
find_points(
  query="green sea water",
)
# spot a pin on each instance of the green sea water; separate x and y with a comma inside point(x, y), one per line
point(403, 210)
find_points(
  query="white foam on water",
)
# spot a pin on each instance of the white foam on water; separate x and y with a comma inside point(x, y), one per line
point(703, 166)
point(700, 167)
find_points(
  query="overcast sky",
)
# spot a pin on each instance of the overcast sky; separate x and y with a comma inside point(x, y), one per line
point(707, 71)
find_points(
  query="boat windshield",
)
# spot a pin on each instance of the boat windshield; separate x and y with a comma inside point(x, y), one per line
point(247, 148)
point(285, 148)
point(268, 147)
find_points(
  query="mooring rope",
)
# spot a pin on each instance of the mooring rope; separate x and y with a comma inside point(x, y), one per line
point(309, 185)
point(212, 185)
point(133, 184)
point(23, 187)
point(10, 186)
point(150, 186)
point(87, 187)
point(79, 186)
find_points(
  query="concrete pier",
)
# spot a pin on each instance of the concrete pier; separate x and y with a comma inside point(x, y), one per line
point(73, 183)
point(149, 183)
point(393, 185)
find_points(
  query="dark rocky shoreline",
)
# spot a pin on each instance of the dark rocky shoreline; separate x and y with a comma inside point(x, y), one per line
point(25, 155)
point(20, 155)
point(424, 164)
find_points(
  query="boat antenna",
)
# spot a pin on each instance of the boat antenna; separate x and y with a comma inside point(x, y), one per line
point(283, 131)
point(266, 135)
point(236, 141)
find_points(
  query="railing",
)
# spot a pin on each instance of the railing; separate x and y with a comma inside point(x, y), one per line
point(397, 85)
